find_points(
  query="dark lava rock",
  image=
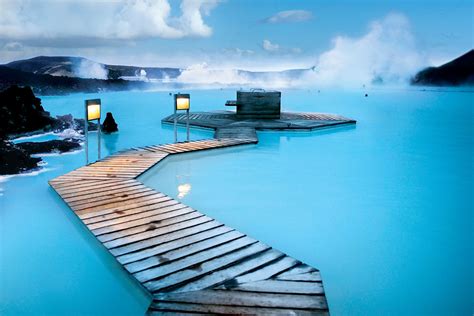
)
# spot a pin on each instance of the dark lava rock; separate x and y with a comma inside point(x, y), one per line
point(109, 125)
point(67, 121)
point(21, 111)
point(14, 160)
point(50, 146)
point(457, 72)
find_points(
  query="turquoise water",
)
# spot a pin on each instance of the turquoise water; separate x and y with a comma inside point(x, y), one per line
point(384, 209)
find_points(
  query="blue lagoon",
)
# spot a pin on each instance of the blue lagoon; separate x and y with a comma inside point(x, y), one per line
point(383, 209)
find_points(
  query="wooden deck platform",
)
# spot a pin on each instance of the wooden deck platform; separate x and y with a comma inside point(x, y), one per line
point(292, 121)
point(189, 262)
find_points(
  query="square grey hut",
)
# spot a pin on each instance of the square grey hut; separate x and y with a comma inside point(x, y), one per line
point(258, 104)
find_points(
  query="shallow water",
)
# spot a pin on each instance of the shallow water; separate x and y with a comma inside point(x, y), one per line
point(383, 209)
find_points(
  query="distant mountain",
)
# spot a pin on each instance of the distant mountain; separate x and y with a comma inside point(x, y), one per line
point(457, 72)
point(65, 74)
point(85, 68)
point(46, 84)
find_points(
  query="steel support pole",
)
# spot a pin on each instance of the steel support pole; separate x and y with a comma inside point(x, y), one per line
point(187, 124)
point(86, 131)
point(98, 137)
point(175, 126)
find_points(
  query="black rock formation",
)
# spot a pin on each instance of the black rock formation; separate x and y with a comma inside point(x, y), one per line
point(457, 72)
point(109, 125)
point(14, 160)
point(50, 146)
point(21, 111)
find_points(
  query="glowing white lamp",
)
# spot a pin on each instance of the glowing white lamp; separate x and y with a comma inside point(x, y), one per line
point(182, 101)
point(92, 113)
point(93, 109)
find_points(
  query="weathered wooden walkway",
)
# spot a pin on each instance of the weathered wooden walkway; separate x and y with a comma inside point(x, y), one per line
point(188, 262)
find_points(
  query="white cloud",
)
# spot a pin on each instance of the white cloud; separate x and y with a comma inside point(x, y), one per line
point(122, 19)
point(290, 16)
point(269, 46)
point(13, 46)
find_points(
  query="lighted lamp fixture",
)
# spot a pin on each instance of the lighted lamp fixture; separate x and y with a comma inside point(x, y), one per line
point(182, 102)
point(93, 109)
point(92, 114)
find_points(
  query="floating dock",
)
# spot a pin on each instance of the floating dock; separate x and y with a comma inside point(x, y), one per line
point(188, 262)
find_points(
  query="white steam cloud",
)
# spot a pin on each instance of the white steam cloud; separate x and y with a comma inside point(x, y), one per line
point(90, 69)
point(385, 54)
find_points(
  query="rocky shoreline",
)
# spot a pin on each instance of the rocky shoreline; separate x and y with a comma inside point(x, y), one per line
point(21, 114)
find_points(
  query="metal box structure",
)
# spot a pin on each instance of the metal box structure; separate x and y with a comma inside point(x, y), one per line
point(258, 104)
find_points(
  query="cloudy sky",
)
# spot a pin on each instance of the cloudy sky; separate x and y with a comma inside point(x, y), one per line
point(250, 34)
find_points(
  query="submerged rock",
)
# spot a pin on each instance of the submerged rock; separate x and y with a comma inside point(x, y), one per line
point(109, 125)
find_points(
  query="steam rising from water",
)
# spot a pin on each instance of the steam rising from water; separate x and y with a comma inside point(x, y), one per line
point(385, 54)
point(90, 69)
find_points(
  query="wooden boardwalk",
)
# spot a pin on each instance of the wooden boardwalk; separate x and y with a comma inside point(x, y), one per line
point(189, 262)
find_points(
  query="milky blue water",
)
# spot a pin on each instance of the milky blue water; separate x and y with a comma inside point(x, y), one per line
point(384, 208)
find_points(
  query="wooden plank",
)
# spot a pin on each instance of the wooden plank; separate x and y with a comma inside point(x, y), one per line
point(203, 262)
point(308, 277)
point(179, 216)
point(132, 198)
point(281, 286)
point(173, 244)
point(113, 199)
point(167, 308)
point(77, 183)
point(150, 234)
point(229, 273)
point(166, 257)
point(155, 241)
point(158, 203)
point(302, 268)
point(146, 224)
point(132, 220)
point(236, 298)
point(103, 188)
point(100, 196)
point(268, 271)
point(123, 209)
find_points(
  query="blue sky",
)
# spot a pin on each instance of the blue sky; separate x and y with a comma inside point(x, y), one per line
point(231, 33)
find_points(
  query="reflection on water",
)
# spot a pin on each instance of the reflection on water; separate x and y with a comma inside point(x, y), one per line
point(110, 142)
point(183, 180)
point(183, 190)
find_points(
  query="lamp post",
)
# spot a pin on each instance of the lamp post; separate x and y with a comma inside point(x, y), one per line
point(92, 113)
point(181, 103)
